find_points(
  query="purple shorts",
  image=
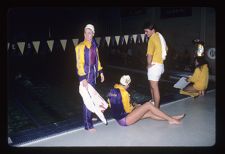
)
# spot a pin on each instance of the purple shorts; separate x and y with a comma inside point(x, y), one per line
point(122, 122)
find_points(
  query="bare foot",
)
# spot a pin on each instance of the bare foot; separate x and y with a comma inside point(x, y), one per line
point(179, 117)
point(174, 121)
point(92, 130)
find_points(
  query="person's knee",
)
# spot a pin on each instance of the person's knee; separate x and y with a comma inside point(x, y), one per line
point(148, 104)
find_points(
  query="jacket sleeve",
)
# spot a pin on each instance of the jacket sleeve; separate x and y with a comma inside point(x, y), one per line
point(80, 62)
point(100, 68)
point(194, 77)
point(126, 101)
point(151, 47)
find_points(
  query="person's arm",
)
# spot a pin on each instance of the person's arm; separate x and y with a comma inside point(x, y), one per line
point(80, 64)
point(149, 60)
point(128, 107)
point(194, 77)
point(100, 68)
point(150, 52)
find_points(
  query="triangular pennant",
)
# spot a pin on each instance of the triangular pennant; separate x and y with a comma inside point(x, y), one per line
point(50, 44)
point(117, 39)
point(143, 37)
point(8, 45)
point(21, 46)
point(75, 41)
point(36, 45)
point(107, 38)
point(98, 40)
point(63, 42)
point(135, 37)
point(126, 38)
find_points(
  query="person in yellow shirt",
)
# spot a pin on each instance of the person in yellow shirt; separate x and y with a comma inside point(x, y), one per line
point(156, 54)
point(199, 80)
point(88, 67)
point(126, 114)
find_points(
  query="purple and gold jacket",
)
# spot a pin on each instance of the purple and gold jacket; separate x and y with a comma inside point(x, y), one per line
point(83, 58)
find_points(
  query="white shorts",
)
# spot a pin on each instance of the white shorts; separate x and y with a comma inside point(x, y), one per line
point(155, 72)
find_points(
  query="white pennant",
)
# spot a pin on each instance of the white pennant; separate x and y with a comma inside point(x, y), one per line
point(36, 45)
point(50, 44)
point(126, 38)
point(143, 37)
point(107, 38)
point(75, 41)
point(117, 39)
point(98, 40)
point(21, 46)
point(63, 42)
point(8, 45)
point(135, 37)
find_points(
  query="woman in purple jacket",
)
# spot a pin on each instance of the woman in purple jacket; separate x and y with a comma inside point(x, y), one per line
point(88, 68)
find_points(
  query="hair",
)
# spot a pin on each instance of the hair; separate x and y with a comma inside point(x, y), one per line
point(149, 25)
point(201, 61)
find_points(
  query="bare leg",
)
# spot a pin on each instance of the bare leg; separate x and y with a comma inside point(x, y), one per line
point(151, 90)
point(149, 114)
point(156, 94)
point(140, 113)
point(190, 89)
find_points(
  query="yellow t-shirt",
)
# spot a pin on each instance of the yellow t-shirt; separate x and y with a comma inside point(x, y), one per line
point(154, 48)
point(200, 77)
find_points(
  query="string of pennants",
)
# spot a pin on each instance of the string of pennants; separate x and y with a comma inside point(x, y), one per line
point(114, 39)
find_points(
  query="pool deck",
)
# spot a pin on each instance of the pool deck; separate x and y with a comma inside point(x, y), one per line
point(198, 128)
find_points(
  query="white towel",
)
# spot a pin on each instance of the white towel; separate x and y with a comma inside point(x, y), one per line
point(164, 46)
point(93, 101)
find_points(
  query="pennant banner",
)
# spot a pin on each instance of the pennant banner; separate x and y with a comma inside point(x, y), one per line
point(21, 46)
point(98, 40)
point(117, 39)
point(143, 37)
point(75, 42)
point(36, 45)
point(135, 37)
point(107, 38)
point(126, 38)
point(63, 43)
point(50, 44)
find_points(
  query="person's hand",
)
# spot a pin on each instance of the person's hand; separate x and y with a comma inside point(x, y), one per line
point(102, 77)
point(85, 83)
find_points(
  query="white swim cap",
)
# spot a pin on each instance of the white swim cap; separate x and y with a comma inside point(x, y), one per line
point(91, 27)
point(125, 80)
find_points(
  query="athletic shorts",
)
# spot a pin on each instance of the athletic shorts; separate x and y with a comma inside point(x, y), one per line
point(155, 72)
point(122, 122)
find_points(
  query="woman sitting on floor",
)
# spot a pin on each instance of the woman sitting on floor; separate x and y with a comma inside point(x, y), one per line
point(126, 114)
point(199, 80)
